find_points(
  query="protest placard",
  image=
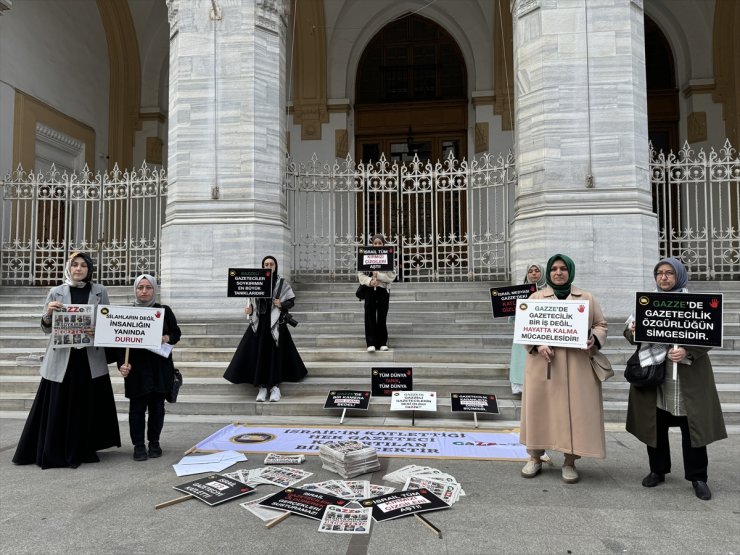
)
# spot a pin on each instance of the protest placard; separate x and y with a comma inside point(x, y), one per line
point(311, 504)
point(375, 259)
point(214, 489)
point(249, 282)
point(553, 323)
point(504, 299)
point(473, 402)
point(346, 399)
point(679, 318)
point(71, 324)
point(403, 503)
point(414, 400)
point(346, 520)
point(129, 326)
point(384, 381)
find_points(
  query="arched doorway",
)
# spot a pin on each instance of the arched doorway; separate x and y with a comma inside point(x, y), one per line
point(410, 111)
point(662, 94)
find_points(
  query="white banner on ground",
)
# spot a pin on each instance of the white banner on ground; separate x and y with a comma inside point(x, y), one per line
point(129, 326)
point(388, 442)
point(551, 322)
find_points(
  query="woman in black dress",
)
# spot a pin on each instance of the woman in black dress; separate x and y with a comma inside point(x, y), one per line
point(74, 412)
point(266, 355)
point(148, 376)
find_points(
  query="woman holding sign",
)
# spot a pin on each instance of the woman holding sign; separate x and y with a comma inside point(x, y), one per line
point(690, 402)
point(266, 355)
point(562, 407)
point(534, 274)
point(377, 298)
point(74, 413)
point(149, 376)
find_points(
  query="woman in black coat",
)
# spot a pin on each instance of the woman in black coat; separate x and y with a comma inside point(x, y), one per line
point(149, 376)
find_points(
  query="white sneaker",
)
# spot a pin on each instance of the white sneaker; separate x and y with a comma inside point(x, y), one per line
point(262, 395)
point(275, 394)
point(531, 469)
point(384, 348)
point(371, 349)
point(570, 475)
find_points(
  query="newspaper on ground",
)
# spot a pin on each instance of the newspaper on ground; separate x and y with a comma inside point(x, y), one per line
point(263, 513)
point(346, 520)
point(274, 458)
point(446, 491)
point(348, 458)
point(282, 476)
point(401, 475)
point(376, 490)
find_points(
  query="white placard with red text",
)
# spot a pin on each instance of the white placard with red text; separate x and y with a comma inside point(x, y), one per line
point(553, 323)
point(129, 326)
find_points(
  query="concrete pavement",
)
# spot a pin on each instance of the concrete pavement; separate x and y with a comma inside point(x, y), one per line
point(109, 507)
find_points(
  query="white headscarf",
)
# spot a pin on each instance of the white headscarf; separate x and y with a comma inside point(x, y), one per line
point(152, 282)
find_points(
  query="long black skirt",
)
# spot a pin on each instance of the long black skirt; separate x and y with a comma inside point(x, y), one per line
point(71, 420)
point(258, 361)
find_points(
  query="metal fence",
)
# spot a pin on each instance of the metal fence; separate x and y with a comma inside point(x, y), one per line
point(697, 199)
point(116, 217)
point(448, 220)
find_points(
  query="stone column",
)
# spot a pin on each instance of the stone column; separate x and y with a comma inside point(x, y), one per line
point(582, 145)
point(225, 206)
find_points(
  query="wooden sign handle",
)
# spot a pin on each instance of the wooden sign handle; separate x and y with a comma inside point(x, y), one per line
point(172, 501)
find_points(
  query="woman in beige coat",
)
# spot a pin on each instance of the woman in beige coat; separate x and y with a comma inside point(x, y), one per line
point(565, 412)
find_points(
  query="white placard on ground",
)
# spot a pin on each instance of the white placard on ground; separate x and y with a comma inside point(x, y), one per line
point(414, 400)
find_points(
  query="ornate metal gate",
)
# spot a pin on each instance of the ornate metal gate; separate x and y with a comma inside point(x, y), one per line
point(449, 220)
point(116, 217)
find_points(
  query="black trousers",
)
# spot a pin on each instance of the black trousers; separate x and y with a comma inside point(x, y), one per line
point(695, 459)
point(376, 313)
point(154, 402)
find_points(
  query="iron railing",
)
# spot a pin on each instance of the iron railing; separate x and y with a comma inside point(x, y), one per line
point(697, 199)
point(116, 217)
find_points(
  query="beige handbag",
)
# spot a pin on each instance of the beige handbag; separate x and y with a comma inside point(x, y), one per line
point(601, 366)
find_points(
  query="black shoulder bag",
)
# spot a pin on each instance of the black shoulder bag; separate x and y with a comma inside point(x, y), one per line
point(643, 376)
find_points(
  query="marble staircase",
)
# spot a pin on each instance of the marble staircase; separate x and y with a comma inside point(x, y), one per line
point(444, 331)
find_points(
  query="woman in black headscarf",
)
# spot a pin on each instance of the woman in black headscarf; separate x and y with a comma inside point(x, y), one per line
point(690, 402)
point(148, 376)
point(74, 412)
point(266, 355)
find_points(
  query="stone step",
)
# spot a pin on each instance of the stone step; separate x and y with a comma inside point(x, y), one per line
point(312, 406)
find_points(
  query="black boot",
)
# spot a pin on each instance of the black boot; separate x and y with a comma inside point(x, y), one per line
point(702, 491)
point(155, 451)
point(139, 453)
point(653, 479)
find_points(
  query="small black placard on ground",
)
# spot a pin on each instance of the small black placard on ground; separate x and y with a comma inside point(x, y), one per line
point(679, 318)
point(384, 381)
point(346, 399)
point(303, 502)
point(503, 299)
point(215, 489)
point(375, 259)
point(473, 402)
point(249, 282)
point(403, 503)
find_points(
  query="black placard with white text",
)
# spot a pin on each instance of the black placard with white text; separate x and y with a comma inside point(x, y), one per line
point(679, 318)
point(215, 489)
point(250, 282)
point(403, 503)
point(303, 502)
point(375, 259)
point(384, 381)
point(473, 402)
point(503, 299)
point(346, 399)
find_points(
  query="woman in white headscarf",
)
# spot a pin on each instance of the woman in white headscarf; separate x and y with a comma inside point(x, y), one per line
point(74, 412)
point(266, 355)
point(689, 402)
point(148, 376)
point(535, 274)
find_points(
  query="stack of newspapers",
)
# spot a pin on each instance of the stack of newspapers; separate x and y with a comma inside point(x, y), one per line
point(348, 458)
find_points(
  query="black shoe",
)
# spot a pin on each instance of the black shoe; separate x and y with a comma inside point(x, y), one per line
point(701, 489)
point(652, 480)
point(155, 451)
point(140, 453)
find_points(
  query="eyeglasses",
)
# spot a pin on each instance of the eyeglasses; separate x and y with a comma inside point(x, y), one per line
point(668, 273)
